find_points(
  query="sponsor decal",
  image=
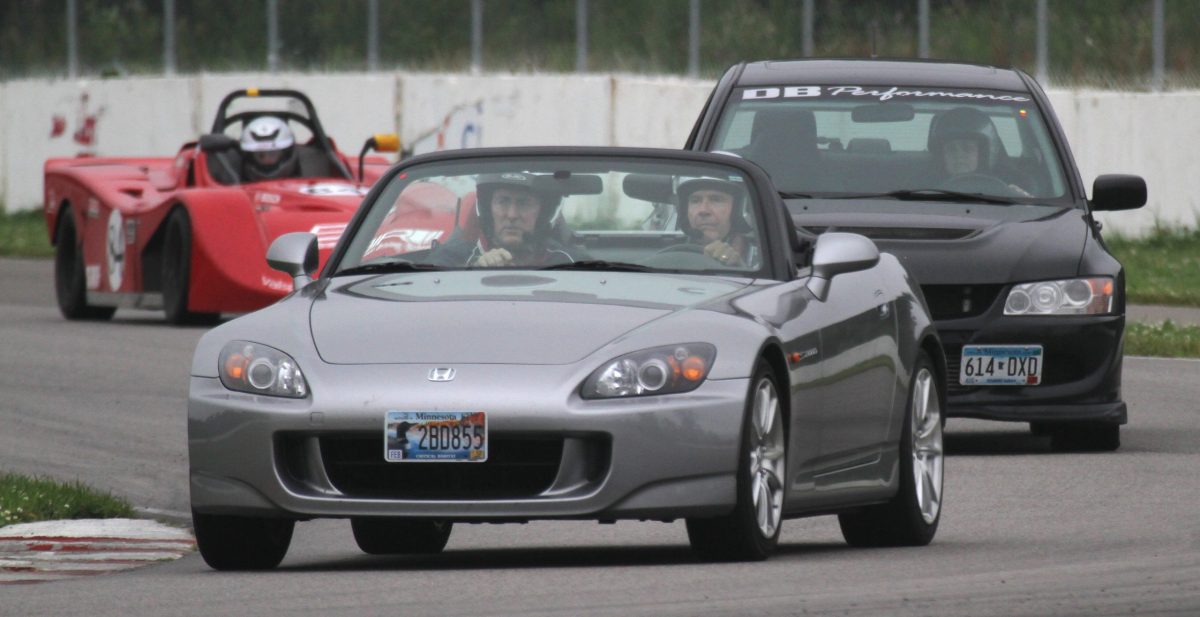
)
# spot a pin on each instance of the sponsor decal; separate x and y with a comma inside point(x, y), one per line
point(92, 274)
point(326, 189)
point(93, 208)
point(880, 94)
point(115, 250)
point(51, 202)
point(400, 241)
point(266, 198)
point(328, 234)
point(276, 284)
point(130, 231)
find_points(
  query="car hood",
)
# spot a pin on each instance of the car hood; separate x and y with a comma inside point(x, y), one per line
point(486, 317)
point(953, 243)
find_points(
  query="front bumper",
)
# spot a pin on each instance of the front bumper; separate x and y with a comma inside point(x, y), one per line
point(1081, 375)
point(554, 455)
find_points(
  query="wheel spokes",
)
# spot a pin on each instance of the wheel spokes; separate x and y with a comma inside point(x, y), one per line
point(927, 450)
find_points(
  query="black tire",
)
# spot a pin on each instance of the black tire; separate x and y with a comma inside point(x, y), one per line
point(738, 536)
point(69, 277)
point(1085, 437)
point(902, 521)
point(400, 536)
point(240, 542)
point(177, 271)
point(1041, 428)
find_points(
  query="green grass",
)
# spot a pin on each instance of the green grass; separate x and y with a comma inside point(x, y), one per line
point(26, 500)
point(1166, 339)
point(23, 234)
point(1162, 268)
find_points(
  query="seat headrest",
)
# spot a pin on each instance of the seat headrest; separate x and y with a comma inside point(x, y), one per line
point(794, 125)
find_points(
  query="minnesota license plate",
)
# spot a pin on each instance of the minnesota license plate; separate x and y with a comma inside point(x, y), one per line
point(1001, 365)
point(435, 436)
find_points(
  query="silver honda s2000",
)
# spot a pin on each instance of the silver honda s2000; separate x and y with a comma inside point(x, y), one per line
point(571, 333)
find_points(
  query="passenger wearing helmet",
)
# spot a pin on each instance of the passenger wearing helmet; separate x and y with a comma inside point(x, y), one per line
point(515, 216)
point(268, 150)
point(967, 154)
point(712, 214)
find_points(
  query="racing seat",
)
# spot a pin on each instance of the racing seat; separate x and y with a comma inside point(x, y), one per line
point(784, 143)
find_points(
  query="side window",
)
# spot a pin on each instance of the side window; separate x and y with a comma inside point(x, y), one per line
point(738, 133)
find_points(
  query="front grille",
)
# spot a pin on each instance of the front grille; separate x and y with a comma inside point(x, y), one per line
point(517, 467)
point(959, 301)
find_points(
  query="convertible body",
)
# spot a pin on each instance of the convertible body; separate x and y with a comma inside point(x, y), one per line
point(184, 233)
point(1027, 299)
point(645, 381)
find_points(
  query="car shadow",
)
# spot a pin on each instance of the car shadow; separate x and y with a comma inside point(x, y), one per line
point(548, 557)
point(991, 443)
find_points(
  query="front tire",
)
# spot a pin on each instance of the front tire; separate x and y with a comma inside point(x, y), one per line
point(70, 279)
point(398, 536)
point(242, 543)
point(177, 272)
point(751, 531)
point(911, 517)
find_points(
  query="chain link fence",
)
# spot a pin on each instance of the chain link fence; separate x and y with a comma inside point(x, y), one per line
point(1115, 44)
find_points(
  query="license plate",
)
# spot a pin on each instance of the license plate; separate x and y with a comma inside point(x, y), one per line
point(1001, 365)
point(435, 436)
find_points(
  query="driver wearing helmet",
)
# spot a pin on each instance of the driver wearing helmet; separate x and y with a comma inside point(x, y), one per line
point(712, 214)
point(268, 149)
point(963, 141)
point(515, 217)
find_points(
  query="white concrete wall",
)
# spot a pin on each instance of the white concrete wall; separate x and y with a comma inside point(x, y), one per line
point(1152, 135)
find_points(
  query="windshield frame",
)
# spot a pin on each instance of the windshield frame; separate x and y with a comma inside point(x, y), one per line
point(767, 209)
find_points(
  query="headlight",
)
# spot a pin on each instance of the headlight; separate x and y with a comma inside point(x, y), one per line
point(661, 370)
point(1089, 296)
point(258, 369)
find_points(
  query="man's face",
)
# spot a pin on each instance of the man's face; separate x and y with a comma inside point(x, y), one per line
point(514, 216)
point(268, 158)
point(708, 213)
point(961, 156)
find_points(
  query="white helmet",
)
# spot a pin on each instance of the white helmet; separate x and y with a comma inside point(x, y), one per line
point(269, 146)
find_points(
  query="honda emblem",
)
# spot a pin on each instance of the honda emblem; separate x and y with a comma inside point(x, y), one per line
point(441, 374)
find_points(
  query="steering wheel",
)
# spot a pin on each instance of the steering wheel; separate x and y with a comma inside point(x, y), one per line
point(976, 182)
point(682, 248)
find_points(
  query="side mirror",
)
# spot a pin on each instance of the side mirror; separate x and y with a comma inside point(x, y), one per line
point(1118, 192)
point(216, 142)
point(839, 253)
point(296, 255)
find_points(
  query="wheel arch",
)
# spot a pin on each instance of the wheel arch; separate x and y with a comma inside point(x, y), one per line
point(772, 353)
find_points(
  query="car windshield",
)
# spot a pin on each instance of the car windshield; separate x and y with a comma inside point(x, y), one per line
point(898, 142)
point(635, 214)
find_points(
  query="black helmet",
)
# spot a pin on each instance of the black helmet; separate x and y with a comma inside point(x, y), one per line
point(966, 123)
point(735, 189)
point(487, 184)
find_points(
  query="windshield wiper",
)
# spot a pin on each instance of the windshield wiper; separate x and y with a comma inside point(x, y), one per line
point(931, 195)
point(787, 195)
point(599, 264)
point(387, 267)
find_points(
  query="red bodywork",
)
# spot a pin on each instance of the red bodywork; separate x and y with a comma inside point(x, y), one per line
point(119, 206)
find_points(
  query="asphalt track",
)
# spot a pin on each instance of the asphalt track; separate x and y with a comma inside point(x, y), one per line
point(1024, 531)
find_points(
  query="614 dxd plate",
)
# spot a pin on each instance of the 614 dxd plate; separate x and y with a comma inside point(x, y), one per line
point(435, 436)
point(1001, 365)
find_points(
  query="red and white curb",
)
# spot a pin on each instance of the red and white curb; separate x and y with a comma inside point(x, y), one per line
point(55, 550)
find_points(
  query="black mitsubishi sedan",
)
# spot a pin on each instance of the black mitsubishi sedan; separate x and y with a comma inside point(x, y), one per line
point(963, 172)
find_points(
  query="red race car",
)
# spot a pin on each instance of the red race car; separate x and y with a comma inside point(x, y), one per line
point(189, 234)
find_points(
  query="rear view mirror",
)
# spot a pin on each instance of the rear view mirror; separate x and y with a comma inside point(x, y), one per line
point(883, 112)
point(1118, 192)
point(216, 142)
point(567, 183)
point(652, 188)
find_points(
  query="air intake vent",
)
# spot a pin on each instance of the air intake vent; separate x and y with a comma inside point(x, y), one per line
point(898, 233)
point(959, 301)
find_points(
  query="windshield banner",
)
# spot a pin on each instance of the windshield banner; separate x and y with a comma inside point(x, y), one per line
point(878, 93)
